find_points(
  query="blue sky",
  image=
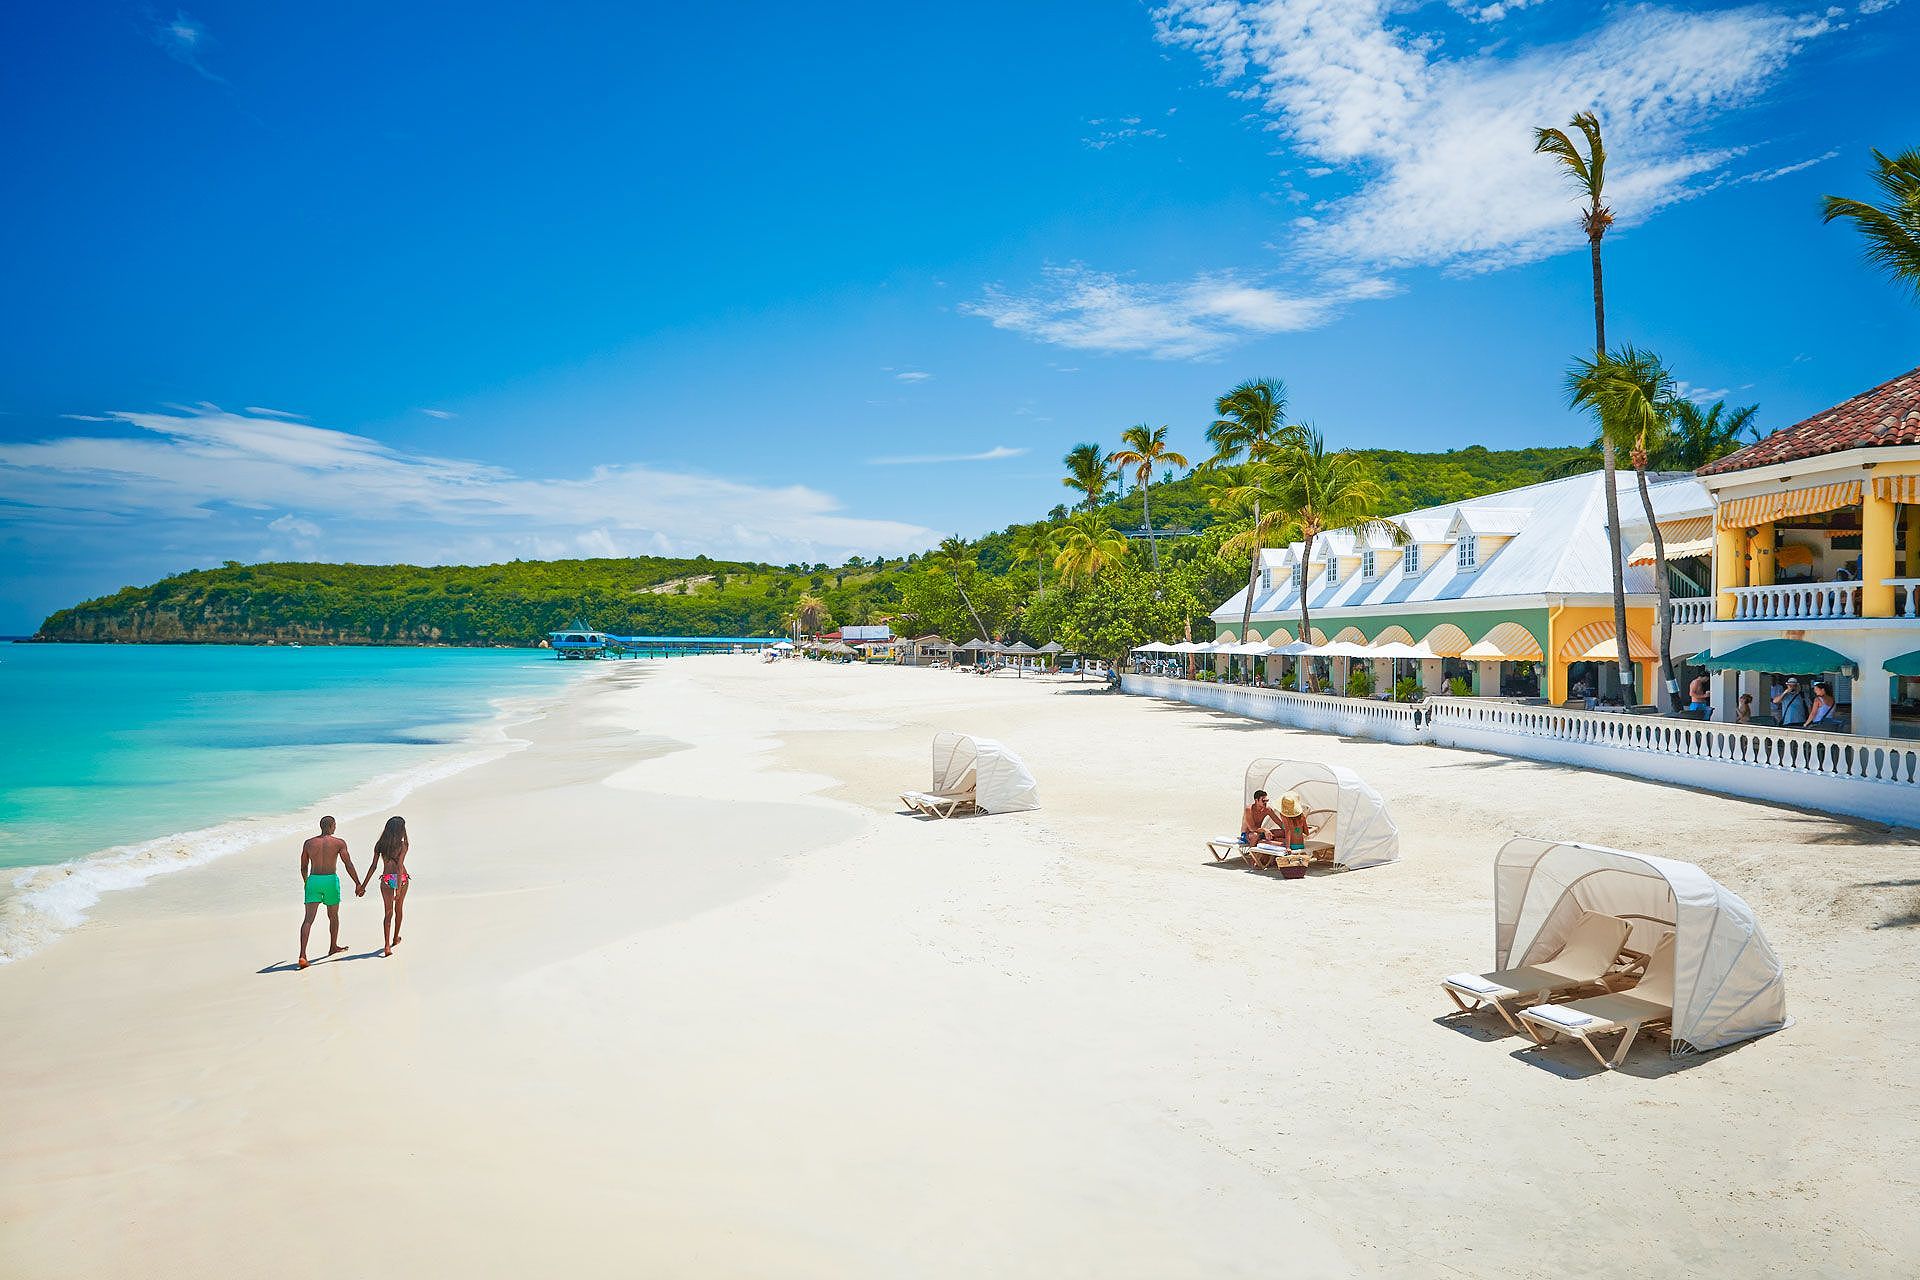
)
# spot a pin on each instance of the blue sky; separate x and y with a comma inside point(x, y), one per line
point(442, 282)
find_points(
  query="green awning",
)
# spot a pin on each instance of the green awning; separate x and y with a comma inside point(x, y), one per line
point(1778, 655)
point(1907, 664)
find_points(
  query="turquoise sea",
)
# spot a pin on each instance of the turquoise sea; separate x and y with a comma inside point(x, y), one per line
point(119, 761)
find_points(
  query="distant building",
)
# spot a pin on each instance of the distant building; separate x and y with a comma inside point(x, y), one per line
point(1513, 591)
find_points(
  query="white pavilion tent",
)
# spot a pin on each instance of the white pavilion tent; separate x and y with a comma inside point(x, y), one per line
point(1727, 983)
point(999, 780)
point(1362, 832)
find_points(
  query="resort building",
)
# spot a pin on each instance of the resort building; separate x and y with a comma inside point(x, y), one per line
point(1509, 594)
point(1817, 562)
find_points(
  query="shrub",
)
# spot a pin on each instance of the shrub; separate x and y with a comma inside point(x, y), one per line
point(1360, 682)
point(1460, 687)
point(1408, 690)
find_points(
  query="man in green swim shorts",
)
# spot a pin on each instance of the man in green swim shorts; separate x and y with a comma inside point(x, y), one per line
point(319, 859)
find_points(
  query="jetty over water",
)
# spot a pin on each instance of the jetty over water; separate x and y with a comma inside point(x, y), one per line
point(584, 642)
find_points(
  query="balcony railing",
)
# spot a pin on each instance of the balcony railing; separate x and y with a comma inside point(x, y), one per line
point(1797, 601)
point(1693, 613)
point(1906, 596)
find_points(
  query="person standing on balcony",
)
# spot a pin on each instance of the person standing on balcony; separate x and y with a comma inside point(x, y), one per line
point(1744, 714)
point(1790, 705)
point(1823, 706)
point(1698, 694)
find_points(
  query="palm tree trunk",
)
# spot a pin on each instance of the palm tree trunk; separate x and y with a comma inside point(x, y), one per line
point(1146, 517)
point(968, 601)
point(1608, 464)
point(1306, 623)
point(1665, 606)
point(1253, 574)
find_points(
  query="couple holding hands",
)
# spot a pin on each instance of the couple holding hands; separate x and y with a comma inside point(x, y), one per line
point(319, 858)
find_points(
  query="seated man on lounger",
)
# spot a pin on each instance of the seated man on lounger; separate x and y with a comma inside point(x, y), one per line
point(1261, 824)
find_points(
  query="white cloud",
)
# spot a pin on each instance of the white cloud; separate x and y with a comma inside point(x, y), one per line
point(183, 38)
point(911, 375)
point(188, 475)
point(1699, 395)
point(1441, 145)
point(994, 454)
point(442, 414)
point(1474, 11)
point(260, 412)
point(1198, 318)
point(1768, 175)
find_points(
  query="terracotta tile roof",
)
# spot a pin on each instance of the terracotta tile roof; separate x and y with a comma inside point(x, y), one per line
point(1887, 415)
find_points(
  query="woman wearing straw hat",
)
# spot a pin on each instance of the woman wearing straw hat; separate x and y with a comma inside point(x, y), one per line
point(1293, 821)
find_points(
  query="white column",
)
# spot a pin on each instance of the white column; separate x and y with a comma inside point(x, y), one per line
point(1872, 701)
point(1431, 678)
point(1487, 679)
point(1726, 694)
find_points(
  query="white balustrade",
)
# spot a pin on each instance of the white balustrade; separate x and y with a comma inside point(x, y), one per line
point(1906, 596)
point(1875, 778)
point(1796, 601)
point(1695, 611)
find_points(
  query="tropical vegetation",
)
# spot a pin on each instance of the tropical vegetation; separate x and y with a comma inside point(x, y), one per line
point(1890, 229)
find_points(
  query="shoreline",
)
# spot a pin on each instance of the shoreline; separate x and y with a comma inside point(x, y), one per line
point(43, 901)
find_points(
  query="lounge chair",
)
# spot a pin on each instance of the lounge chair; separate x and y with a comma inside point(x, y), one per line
point(1585, 961)
point(938, 805)
point(1259, 856)
point(1648, 1003)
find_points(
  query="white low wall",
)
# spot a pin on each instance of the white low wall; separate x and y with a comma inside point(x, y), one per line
point(1386, 721)
point(1875, 778)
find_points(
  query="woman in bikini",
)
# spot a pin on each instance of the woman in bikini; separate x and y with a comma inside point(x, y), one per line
point(391, 850)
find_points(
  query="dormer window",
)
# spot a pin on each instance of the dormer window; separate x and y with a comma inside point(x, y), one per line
point(1366, 564)
point(1297, 572)
point(1410, 559)
point(1333, 570)
point(1467, 553)
point(1266, 578)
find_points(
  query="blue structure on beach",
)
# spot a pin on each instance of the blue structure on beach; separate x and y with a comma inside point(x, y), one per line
point(582, 641)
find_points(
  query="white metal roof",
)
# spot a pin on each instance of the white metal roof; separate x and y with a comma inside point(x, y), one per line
point(1558, 547)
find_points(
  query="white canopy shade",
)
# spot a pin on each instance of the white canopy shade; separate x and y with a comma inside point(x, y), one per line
point(999, 779)
point(1294, 649)
point(1399, 649)
point(1252, 649)
point(1727, 983)
point(1187, 646)
point(1155, 647)
point(1362, 832)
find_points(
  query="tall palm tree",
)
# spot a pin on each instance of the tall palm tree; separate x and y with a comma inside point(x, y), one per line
point(1035, 544)
point(1250, 421)
point(1143, 448)
point(1259, 490)
point(1090, 471)
point(1588, 173)
point(1891, 229)
point(1088, 545)
point(1697, 436)
point(956, 560)
point(1320, 492)
point(1632, 395)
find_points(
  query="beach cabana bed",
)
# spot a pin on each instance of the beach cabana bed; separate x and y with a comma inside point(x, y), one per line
point(1347, 822)
point(1720, 983)
point(974, 775)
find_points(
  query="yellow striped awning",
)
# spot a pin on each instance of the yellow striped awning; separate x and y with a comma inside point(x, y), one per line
point(1447, 640)
point(1595, 643)
point(1897, 488)
point(1691, 536)
point(1765, 508)
point(1508, 642)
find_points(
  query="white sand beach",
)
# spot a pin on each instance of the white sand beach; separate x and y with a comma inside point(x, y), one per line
point(683, 994)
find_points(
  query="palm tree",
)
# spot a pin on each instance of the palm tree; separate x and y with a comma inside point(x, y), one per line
point(810, 615)
point(1631, 394)
point(1035, 544)
point(1090, 471)
point(1088, 546)
point(1250, 421)
point(1697, 436)
point(1892, 229)
point(1259, 490)
point(1143, 448)
point(955, 559)
point(1320, 492)
point(1588, 174)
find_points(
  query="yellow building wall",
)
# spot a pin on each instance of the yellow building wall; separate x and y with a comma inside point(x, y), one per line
point(1563, 623)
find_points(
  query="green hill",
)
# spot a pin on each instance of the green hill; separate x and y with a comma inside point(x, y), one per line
point(517, 603)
